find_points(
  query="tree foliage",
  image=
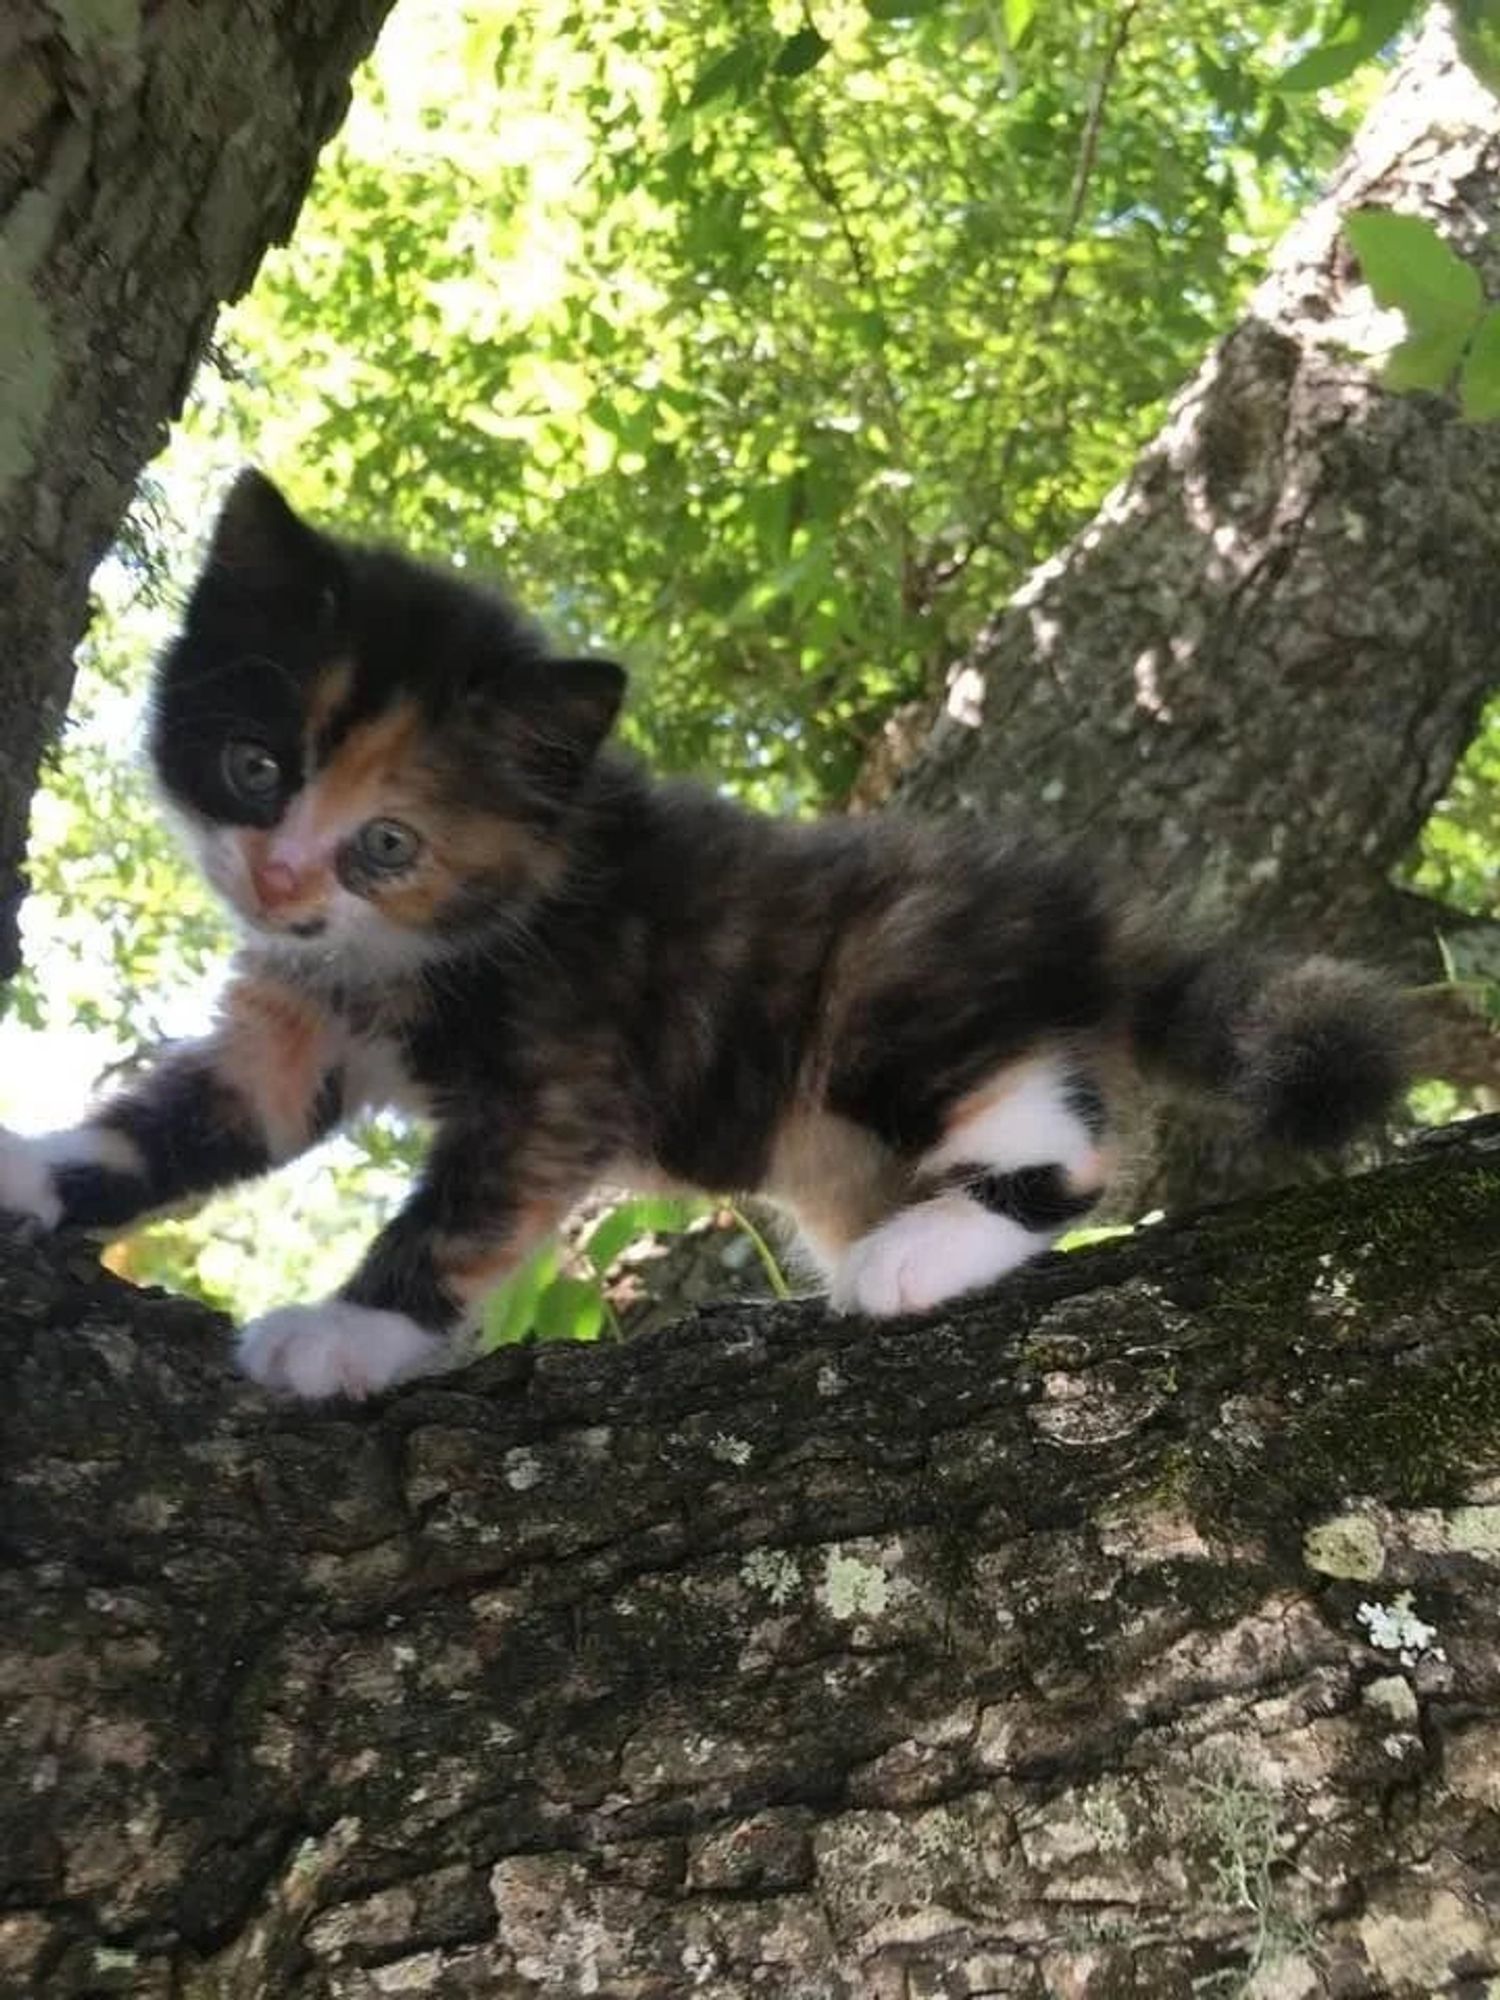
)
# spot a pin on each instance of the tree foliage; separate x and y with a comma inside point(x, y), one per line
point(771, 348)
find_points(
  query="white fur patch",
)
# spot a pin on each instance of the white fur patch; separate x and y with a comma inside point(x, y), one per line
point(376, 1079)
point(26, 1184)
point(356, 939)
point(93, 1146)
point(928, 1253)
point(220, 858)
point(335, 1348)
point(1027, 1123)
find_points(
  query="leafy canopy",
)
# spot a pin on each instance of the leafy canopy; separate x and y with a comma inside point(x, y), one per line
point(768, 346)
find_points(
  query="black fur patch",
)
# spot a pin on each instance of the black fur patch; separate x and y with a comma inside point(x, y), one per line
point(96, 1197)
point(398, 1275)
point(191, 1129)
point(1038, 1197)
point(1085, 1100)
point(1311, 1050)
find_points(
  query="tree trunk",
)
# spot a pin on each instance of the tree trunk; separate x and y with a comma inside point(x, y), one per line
point(1255, 671)
point(148, 156)
point(1133, 1631)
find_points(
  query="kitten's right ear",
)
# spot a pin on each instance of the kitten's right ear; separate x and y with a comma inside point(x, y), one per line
point(258, 543)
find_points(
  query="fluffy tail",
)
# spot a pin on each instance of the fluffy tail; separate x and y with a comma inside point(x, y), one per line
point(1310, 1050)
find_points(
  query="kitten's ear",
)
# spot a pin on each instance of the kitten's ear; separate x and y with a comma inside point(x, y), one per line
point(581, 699)
point(550, 716)
point(259, 544)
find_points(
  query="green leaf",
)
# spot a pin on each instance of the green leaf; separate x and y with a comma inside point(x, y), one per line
point(1018, 16)
point(1272, 125)
point(1425, 360)
point(1408, 265)
point(569, 1309)
point(509, 1315)
point(736, 69)
point(1361, 31)
point(1478, 35)
point(900, 10)
point(800, 53)
point(1479, 385)
point(649, 1215)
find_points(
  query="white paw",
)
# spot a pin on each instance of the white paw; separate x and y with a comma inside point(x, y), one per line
point(335, 1349)
point(927, 1254)
point(27, 1187)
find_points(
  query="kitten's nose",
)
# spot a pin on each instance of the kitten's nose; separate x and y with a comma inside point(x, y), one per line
point(277, 883)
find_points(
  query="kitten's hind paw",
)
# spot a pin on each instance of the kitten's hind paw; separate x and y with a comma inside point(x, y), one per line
point(28, 1188)
point(335, 1348)
point(927, 1254)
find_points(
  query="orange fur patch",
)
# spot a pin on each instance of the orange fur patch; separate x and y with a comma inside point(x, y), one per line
point(353, 785)
point(328, 693)
point(378, 771)
point(462, 848)
point(275, 1049)
point(836, 1178)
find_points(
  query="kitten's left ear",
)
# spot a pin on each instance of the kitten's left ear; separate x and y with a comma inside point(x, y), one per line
point(257, 531)
point(260, 545)
point(581, 699)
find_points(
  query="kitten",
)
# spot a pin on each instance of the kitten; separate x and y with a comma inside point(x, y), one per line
point(456, 902)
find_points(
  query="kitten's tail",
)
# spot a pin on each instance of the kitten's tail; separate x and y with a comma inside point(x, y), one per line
point(1310, 1050)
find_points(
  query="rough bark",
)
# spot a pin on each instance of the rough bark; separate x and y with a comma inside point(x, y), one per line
point(1255, 670)
point(148, 155)
point(1020, 1651)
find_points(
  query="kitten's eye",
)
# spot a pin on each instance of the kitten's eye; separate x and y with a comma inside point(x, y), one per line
point(250, 771)
point(387, 845)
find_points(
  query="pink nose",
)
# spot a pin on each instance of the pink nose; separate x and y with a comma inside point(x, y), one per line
point(277, 883)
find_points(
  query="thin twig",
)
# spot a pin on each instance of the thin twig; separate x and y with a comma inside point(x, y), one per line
point(775, 1277)
point(1088, 155)
point(827, 190)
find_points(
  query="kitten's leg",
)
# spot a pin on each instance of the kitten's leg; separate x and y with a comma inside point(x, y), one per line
point(1018, 1162)
point(262, 1088)
point(480, 1209)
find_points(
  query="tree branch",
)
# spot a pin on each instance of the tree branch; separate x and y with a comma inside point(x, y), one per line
point(780, 1652)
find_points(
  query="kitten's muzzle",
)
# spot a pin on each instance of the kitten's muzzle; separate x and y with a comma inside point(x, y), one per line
point(280, 888)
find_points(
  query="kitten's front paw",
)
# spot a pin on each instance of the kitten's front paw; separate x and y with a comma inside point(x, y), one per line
point(28, 1189)
point(335, 1349)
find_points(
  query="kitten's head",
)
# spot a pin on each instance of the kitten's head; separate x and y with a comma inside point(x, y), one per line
point(367, 753)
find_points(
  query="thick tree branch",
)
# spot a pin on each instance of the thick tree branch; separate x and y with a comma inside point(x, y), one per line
point(1022, 1651)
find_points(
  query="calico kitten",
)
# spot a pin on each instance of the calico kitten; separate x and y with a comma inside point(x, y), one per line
point(456, 902)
